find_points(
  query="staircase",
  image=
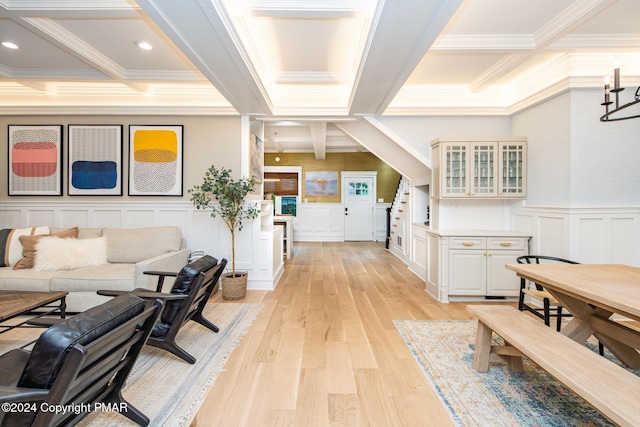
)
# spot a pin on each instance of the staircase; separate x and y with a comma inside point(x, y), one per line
point(400, 220)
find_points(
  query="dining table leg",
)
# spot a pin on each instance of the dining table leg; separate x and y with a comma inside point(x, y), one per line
point(589, 320)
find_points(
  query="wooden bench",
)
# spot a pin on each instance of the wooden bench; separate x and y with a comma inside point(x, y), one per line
point(609, 388)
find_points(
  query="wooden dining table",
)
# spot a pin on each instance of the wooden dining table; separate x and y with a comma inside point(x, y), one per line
point(594, 293)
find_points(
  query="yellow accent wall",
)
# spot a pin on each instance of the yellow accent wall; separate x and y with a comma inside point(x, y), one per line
point(387, 181)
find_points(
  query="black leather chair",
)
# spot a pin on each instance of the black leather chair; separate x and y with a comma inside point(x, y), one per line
point(80, 361)
point(195, 282)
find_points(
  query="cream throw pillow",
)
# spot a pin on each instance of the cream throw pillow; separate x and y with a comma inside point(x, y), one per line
point(54, 253)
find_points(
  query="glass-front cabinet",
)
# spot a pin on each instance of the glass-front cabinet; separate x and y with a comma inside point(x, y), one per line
point(513, 164)
point(455, 167)
point(484, 170)
point(487, 169)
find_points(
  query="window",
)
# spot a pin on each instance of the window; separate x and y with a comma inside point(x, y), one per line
point(284, 183)
point(281, 183)
point(358, 188)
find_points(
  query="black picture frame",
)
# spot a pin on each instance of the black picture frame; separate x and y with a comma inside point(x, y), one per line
point(156, 160)
point(35, 160)
point(94, 160)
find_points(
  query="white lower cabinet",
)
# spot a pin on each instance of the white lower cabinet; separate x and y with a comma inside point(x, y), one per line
point(467, 272)
point(473, 267)
point(477, 265)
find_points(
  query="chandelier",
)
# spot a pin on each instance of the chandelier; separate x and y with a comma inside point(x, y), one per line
point(612, 115)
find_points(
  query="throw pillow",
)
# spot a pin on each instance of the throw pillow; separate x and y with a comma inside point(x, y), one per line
point(29, 246)
point(54, 253)
point(10, 246)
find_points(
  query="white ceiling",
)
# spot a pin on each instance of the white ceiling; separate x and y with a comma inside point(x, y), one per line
point(304, 65)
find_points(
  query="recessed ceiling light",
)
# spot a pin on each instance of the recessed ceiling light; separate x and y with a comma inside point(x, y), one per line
point(10, 45)
point(144, 45)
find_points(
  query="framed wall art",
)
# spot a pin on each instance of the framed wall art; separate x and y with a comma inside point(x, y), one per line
point(35, 160)
point(155, 160)
point(95, 160)
point(321, 183)
point(256, 158)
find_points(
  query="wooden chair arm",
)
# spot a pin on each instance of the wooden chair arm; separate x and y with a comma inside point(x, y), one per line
point(142, 294)
point(161, 275)
point(159, 295)
point(110, 292)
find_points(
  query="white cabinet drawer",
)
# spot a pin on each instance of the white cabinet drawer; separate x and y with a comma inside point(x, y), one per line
point(467, 243)
point(505, 243)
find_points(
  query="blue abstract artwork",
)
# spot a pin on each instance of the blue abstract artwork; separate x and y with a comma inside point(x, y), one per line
point(89, 175)
point(95, 160)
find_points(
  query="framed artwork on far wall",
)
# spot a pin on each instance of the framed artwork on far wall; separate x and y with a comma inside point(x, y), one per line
point(155, 160)
point(321, 183)
point(35, 160)
point(95, 160)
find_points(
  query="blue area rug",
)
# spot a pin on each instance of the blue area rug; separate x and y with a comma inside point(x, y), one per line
point(444, 350)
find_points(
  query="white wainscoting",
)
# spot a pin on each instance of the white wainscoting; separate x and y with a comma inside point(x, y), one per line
point(324, 222)
point(319, 222)
point(598, 235)
point(418, 252)
point(255, 248)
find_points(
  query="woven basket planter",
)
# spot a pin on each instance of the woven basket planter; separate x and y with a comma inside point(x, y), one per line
point(234, 288)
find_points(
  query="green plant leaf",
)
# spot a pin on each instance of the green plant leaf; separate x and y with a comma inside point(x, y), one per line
point(225, 197)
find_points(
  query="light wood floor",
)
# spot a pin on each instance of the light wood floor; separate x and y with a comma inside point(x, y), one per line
point(324, 350)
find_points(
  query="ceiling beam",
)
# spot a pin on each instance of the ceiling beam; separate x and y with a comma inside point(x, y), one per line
point(204, 33)
point(401, 34)
point(77, 47)
point(319, 139)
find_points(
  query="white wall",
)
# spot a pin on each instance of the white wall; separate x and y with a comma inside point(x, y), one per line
point(576, 160)
point(419, 131)
point(583, 194)
point(548, 132)
point(605, 157)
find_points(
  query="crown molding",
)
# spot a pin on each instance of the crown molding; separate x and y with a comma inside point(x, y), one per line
point(595, 41)
point(484, 42)
point(313, 77)
point(68, 5)
point(318, 9)
point(117, 110)
point(570, 18)
point(499, 69)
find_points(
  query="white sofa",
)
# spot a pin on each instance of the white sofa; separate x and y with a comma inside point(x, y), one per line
point(130, 252)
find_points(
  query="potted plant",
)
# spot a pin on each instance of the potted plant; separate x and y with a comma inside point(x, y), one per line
point(225, 197)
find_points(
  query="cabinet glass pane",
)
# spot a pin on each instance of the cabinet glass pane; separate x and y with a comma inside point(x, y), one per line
point(455, 163)
point(512, 169)
point(484, 180)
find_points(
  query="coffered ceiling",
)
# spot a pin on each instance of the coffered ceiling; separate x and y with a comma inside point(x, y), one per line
point(305, 66)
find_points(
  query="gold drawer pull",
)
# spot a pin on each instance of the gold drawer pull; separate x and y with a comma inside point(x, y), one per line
point(505, 244)
point(467, 243)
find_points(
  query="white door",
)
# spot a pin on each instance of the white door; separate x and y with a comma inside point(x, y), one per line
point(358, 208)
